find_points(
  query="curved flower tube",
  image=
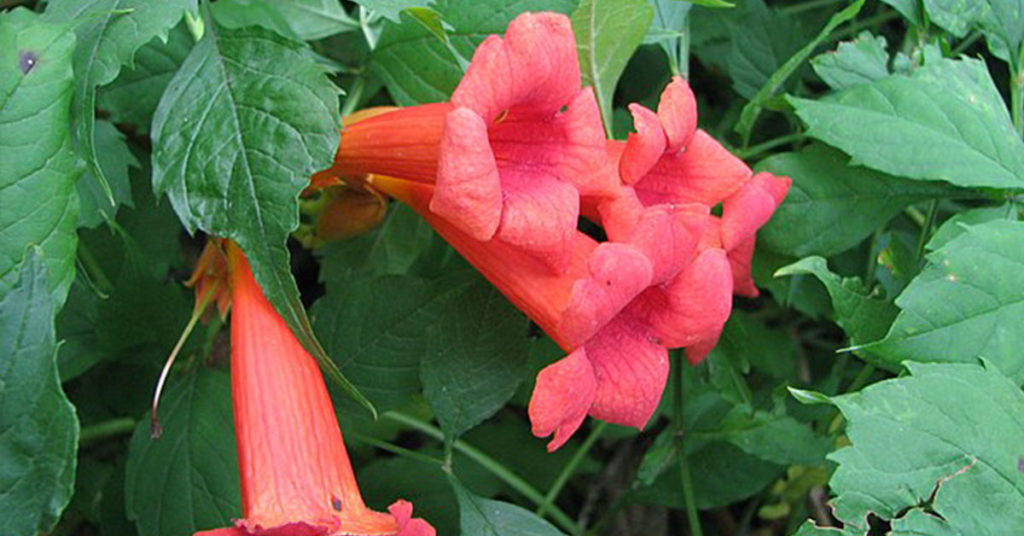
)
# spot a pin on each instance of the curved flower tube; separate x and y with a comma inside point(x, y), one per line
point(295, 473)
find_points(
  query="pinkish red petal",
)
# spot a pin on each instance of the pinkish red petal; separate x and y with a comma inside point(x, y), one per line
point(697, 302)
point(705, 172)
point(533, 70)
point(618, 273)
point(740, 259)
point(631, 371)
point(229, 531)
point(619, 213)
point(562, 397)
point(699, 350)
point(644, 147)
point(583, 158)
point(677, 110)
point(668, 236)
point(752, 206)
point(539, 215)
point(407, 525)
point(468, 188)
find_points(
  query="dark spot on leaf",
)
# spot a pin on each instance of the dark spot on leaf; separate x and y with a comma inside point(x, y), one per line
point(27, 60)
point(336, 503)
point(1020, 464)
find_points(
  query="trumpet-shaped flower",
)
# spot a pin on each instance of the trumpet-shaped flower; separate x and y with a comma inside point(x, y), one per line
point(295, 473)
point(512, 151)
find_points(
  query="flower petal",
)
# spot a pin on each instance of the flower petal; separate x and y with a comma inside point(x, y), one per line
point(407, 525)
point(752, 206)
point(698, 301)
point(644, 147)
point(668, 236)
point(677, 110)
point(468, 188)
point(562, 398)
point(539, 215)
point(631, 371)
point(533, 69)
point(618, 273)
point(704, 173)
point(740, 259)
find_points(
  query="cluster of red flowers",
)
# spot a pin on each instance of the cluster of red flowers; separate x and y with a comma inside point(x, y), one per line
point(505, 169)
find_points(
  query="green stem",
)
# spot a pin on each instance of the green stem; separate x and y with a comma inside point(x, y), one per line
point(856, 28)
point(96, 433)
point(862, 378)
point(764, 147)
point(570, 468)
point(355, 94)
point(966, 43)
point(1017, 98)
point(926, 230)
point(692, 515)
point(395, 449)
point(807, 6)
point(491, 465)
point(95, 271)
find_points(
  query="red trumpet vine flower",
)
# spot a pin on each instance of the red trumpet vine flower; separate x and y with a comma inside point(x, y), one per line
point(503, 171)
point(511, 152)
point(295, 473)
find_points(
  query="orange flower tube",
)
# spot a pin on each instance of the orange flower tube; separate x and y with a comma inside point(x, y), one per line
point(296, 477)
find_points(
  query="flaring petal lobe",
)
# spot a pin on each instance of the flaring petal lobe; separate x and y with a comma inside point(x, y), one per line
point(644, 147)
point(468, 190)
point(563, 396)
point(618, 273)
point(751, 207)
point(631, 371)
point(704, 173)
point(677, 110)
point(539, 216)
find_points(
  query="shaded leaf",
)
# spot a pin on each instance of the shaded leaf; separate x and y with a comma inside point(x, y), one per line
point(760, 44)
point(377, 330)
point(485, 517)
point(669, 30)
point(37, 186)
point(38, 426)
point(832, 206)
point(186, 480)
point(864, 318)
point(299, 19)
point(114, 158)
point(109, 32)
point(133, 96)
point(607, 34)
point(391, 9)
point(753, 108)
point(946, 121)
point(968, 303)
point(476, 358)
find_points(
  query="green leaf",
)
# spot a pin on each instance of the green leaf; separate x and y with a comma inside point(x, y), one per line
point(187, 480)
point(910, 9)
point(391, 9)
point(760, 43)
point(669, 30)
point(416, 67)
point(305, 20)
point(833, 206)
point(968, 303)
point(109, 32)
point(774, 437)
point(957, 429)
point(243, 124)
point(1001, 20)
point(38, 426)
point(864, 318)
point(37, 186)
point(753, 108)
point(961, 221)
point(485, 517)
point(946, 121)
point(133, 96)
point(115, 158)
point(476, 358)
point(860, 61)
point(607, 34)
point(376, 329)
